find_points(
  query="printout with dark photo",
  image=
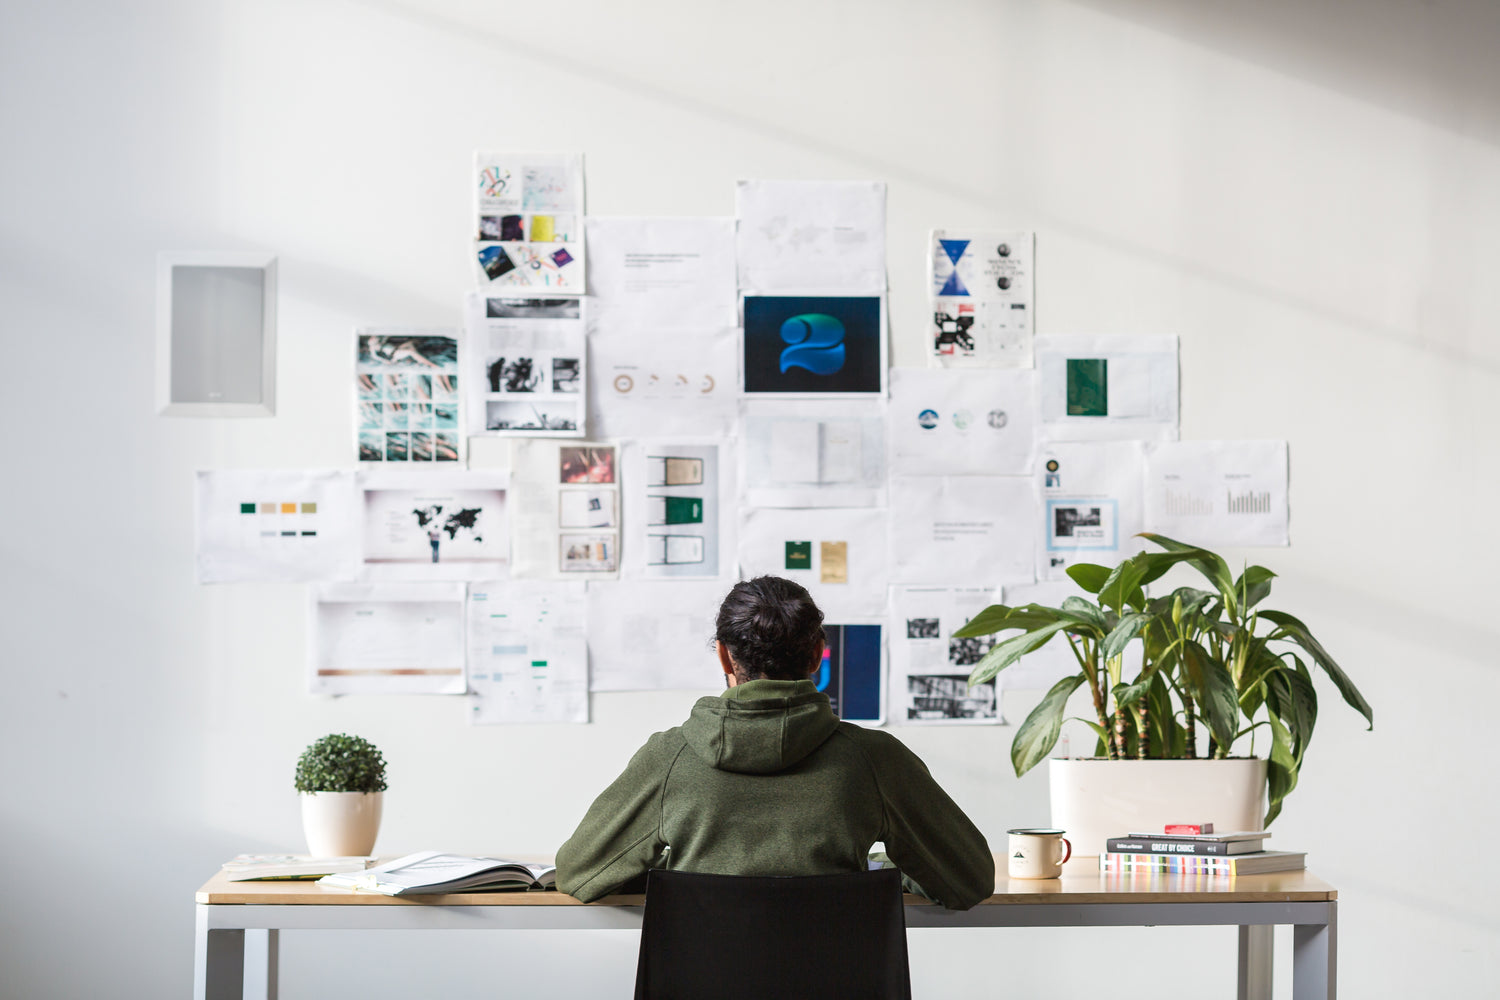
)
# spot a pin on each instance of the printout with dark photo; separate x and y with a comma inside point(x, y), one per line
point(528, 230)
point(406, 396)
point(1092, 499)
point(930, 667)
point(527, 366)
point(852, 671)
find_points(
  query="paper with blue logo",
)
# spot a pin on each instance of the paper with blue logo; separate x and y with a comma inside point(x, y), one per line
point(982, 299)
point(1091, 504)
point(813, 345)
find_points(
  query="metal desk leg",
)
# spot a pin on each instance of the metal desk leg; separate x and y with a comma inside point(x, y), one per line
point(1315, 958)
point(262, 952)
point(218, 961)
point(1257, 949)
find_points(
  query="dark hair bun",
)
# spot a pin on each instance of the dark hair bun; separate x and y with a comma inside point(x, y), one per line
point(772, 629)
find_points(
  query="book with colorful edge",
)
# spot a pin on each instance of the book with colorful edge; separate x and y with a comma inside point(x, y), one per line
point(1259, 863)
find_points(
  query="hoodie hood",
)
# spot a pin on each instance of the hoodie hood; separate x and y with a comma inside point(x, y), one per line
point(760, 727)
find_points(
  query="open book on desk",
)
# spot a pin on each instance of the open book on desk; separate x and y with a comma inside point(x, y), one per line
point(434, 872)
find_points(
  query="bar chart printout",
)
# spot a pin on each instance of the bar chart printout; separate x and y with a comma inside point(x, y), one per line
point(1218, 492)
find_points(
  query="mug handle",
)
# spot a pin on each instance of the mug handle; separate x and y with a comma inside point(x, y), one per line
point(1069, 845)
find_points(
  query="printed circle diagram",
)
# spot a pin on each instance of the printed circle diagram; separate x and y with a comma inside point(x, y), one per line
point(998, 419)
point(1003, 249)
point(962, 419)
point(708, 384)
point(928, 419)
point(1003, 281)
point(624, 383)
point(815, 341)
point(1051, 465)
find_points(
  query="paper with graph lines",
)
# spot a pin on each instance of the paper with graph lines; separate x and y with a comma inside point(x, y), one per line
point(1218, 492)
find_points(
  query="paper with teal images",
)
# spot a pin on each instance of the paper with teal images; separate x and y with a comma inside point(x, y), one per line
point(407, 397)
point(982, 297)
point(1108, 388)
point(529, 235)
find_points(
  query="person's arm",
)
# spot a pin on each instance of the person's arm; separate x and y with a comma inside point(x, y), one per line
point(620, 835)
point(927, 835)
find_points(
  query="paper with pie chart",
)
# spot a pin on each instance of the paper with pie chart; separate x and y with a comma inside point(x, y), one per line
point(982, 299)
point(946, 422)
point(662, 382)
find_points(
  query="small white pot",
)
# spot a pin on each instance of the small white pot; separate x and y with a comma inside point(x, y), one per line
point(340, 824)
point(1093, 800)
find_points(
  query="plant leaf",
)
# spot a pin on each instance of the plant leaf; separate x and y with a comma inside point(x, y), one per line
point(1208, 563)
point(1122, 634)
point(1213, 690)
point(1301, 636)
point(1012, 649)
point(1123, 585)
point(1036, 737)
point(1089, 576)
point(1254, 585)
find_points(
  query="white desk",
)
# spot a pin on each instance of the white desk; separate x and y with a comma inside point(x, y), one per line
point(232, 913)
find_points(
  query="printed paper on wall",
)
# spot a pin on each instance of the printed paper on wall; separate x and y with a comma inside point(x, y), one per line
point(967, 423)
point(529, 223)
point(982, 299)
point(386, 638)
point(1108, 388)
point(527, 366)
point(528, 652)
point(276, 526)
point(406, 396)
point(1218, 493)
point(929, 667)
point(1091, 496)
point(801, 235)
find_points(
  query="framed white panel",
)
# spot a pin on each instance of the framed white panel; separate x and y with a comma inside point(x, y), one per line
point(216, 334)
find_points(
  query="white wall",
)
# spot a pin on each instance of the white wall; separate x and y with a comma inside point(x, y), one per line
point(1310, 199)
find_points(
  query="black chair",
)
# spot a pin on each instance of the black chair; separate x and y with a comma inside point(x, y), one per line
point(728, 937)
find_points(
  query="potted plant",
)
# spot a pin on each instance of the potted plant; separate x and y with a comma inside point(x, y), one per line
point(341, 780)
point(1164, 674)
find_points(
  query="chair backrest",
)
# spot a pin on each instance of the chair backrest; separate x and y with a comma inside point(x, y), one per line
point(729, 937)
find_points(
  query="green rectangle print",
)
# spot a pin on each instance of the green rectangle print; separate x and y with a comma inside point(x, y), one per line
point(799, 555)
point(684, 510)
point(1088, 387)
point(247, 508)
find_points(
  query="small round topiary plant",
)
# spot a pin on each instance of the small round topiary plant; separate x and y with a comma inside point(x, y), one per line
point(341, 763)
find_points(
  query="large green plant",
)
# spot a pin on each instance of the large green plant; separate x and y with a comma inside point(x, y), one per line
point(1156, 669)
point(340, 763)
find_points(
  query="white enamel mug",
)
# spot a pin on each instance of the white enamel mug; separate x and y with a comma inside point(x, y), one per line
point(1037, 853)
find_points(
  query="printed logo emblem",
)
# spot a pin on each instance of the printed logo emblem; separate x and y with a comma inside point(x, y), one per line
point(815, 342)
point(962, 419)
point(928, 419)
point(998, 419)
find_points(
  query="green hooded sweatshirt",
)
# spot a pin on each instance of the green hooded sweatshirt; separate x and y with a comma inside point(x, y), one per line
point(765, 780)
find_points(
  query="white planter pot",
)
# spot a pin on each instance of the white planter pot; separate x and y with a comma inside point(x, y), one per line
point(340, 824)
point(1093, 800)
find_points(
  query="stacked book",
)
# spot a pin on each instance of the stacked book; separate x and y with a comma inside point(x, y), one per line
point(1207, 853)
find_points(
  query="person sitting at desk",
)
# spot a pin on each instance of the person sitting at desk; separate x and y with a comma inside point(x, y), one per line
point(765, 779)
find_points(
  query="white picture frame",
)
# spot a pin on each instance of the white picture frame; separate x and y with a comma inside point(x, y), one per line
point(216, 333)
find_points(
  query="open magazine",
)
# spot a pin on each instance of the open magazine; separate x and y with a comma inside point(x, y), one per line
point(434, 872)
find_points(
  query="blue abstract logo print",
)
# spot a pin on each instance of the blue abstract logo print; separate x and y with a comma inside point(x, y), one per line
point(815, 342)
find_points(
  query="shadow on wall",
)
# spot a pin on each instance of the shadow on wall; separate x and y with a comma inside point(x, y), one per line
point(1433, 60)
